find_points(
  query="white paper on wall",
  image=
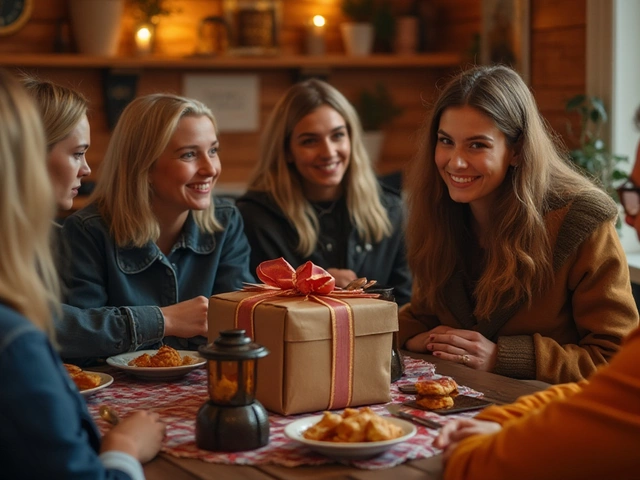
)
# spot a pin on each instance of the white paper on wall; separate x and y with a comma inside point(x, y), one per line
point(234, 99)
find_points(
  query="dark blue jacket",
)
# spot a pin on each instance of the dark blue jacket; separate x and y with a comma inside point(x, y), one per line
point(100, 275)
point(272, 235)
point(45, 428)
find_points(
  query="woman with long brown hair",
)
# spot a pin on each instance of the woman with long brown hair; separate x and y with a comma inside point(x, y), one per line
point(517, 265)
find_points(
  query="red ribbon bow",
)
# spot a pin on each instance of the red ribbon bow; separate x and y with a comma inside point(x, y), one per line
point(306, 279)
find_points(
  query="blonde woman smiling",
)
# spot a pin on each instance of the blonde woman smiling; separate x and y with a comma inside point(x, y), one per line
point(314, 195)
point(154, 240)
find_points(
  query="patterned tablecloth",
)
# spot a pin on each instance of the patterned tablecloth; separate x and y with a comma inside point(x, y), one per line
point(178, 402)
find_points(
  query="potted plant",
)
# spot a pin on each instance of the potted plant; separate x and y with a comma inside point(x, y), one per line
point(357, 34)
point(592, 155)
point(375, 108)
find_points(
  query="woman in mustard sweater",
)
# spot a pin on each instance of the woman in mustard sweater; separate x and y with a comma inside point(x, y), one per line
point(589, 430)
point(517, 264)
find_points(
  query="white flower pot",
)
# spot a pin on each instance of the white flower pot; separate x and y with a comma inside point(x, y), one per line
point(357, 38)
point(96, 25)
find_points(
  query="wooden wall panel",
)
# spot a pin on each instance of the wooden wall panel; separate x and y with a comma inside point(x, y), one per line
point(558, 59)
point(557, 67)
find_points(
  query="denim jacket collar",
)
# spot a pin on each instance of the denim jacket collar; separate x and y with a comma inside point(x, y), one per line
point(137, 259)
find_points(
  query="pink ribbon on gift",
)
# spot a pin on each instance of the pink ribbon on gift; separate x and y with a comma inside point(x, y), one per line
point(315, 283)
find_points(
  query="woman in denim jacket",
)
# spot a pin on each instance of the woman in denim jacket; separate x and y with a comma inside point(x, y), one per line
point(43, 415)
point(154, 241)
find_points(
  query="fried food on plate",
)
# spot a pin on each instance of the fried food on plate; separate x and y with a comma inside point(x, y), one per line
point(435, 402)
point(83, 380)
point(440, 386)
point(166, 357)
point(436, 394)
point(353, 425)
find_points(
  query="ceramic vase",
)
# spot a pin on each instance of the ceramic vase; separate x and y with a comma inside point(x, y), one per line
point(357, 38)
point(96, 25)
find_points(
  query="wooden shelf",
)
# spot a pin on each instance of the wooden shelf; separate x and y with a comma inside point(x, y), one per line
point(428, 60)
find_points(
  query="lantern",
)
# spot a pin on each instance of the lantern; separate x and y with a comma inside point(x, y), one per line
point(232, 420)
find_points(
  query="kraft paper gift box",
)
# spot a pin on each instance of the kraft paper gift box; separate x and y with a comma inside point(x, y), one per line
point(296, 376)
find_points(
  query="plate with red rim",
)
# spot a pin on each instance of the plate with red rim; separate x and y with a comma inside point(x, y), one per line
point(105, 381)
point(155, 373)
point(347, 450)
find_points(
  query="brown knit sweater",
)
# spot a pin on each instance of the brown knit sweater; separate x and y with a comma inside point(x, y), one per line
point(576, 325)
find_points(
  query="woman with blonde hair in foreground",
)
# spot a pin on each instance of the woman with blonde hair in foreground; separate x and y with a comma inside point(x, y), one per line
point(43, 413)
point(518, 268)
point(154, 239)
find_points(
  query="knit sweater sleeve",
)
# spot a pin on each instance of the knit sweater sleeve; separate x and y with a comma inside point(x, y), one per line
point(596, 427)
point(603, 310)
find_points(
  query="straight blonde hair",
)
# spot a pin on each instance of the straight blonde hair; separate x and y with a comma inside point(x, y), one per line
point(28, 277)
point(61, 108)
point(276, 174)
point(123, 194)
point(519, 255)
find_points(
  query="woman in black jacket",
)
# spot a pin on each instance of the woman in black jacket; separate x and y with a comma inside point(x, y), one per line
point(314, 195)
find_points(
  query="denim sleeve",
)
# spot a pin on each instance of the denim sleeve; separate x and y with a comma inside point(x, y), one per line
point(106, 331)
point(43, 417)
point(88, 327)
point(125, 463)
point(233, 269)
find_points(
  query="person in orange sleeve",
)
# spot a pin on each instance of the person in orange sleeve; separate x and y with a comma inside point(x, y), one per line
point(586, 430)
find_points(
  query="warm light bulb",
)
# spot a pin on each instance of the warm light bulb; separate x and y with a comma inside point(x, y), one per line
point(318, 21)
point(143, 34)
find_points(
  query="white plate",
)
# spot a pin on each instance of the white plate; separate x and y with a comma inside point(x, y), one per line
point(347, 451)
point(105, 381)
point(155, 373)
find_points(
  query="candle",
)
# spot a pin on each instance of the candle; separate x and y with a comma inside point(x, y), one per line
point(315, 36)
point(144, 39)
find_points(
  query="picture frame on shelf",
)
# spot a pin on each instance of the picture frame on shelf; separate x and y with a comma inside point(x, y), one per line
point(254, 26)
point(506, 34)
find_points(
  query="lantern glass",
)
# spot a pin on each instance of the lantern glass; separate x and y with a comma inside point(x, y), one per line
point(226, 376)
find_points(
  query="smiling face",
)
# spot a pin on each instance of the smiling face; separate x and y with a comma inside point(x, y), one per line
point(321, 149)
point(472, 157)
point(67, 164)
point(183, 177)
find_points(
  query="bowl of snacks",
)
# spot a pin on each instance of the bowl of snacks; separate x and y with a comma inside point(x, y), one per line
point(356, 434)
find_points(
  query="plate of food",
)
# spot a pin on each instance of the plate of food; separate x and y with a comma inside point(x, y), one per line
point(163, 364)
point(441, 396)
point(354, 435)
point(88, 382)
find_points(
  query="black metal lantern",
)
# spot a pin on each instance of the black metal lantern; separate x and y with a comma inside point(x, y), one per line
point(232, 420)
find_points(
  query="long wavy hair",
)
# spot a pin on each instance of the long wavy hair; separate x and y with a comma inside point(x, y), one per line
point(123, 194)
point(61, 108)
point(28, 277)
point(276, 173)
point(518, 259)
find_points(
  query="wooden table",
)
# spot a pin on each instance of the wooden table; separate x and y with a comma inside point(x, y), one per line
point(496, 388)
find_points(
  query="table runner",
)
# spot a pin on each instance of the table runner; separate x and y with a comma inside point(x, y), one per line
point(177, 402)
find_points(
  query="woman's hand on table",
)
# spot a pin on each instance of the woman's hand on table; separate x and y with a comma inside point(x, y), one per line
point(456, 345)
point(457, 430)
point(140, 435)
point(186, 319)
point(342, 275)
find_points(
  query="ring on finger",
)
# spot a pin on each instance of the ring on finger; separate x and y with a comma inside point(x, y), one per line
point(465, 359)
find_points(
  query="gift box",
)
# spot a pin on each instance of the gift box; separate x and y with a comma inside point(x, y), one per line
point(325, 352)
